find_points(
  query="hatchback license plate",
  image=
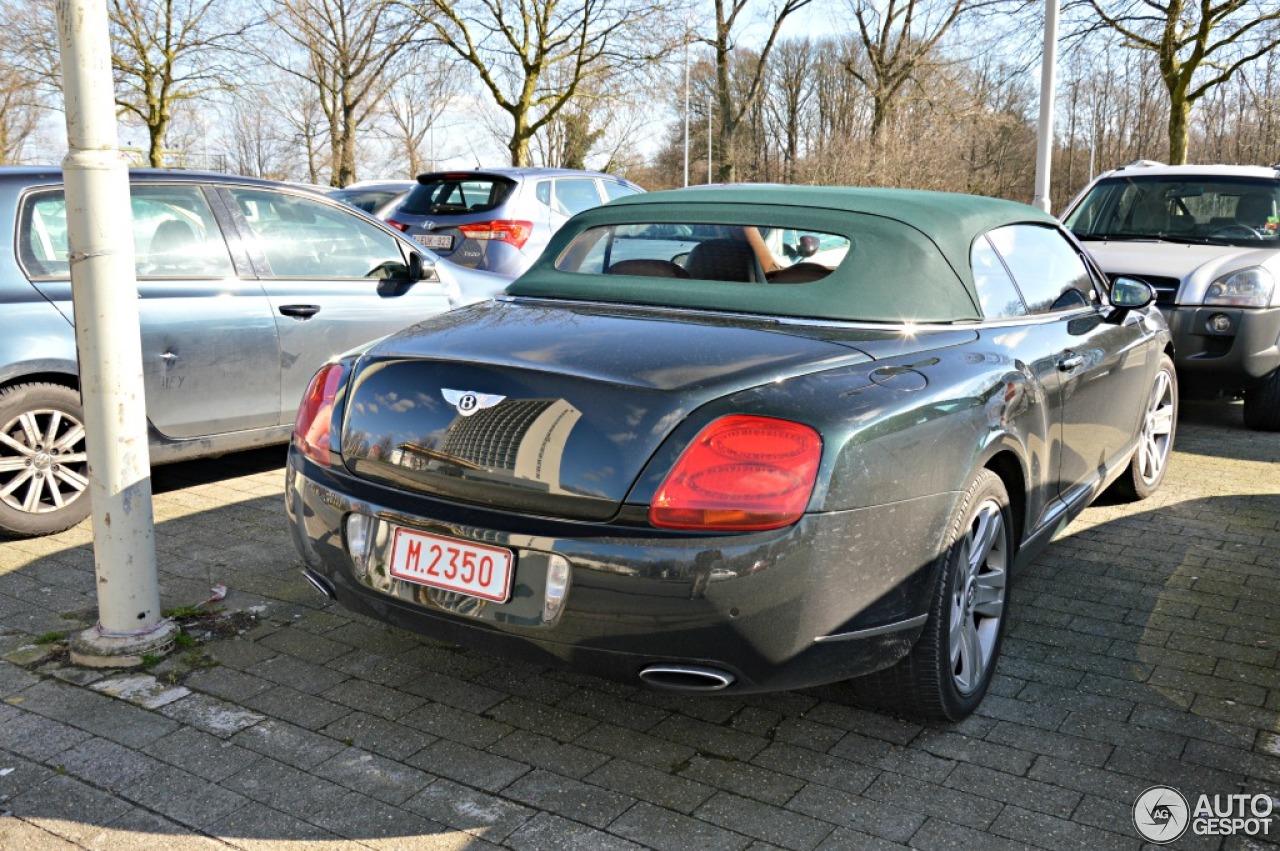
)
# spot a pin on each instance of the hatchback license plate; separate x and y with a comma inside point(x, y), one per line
point(440, 562)
point(434, 240)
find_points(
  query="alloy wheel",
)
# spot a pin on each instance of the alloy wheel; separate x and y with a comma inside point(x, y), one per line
point(1155, 440)
point(43, 465)
point(977, 597)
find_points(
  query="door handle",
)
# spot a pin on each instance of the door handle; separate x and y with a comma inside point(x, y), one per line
point(302, 311)
point(1070, 361)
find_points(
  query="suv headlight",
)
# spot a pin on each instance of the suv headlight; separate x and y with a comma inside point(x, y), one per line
point(1246, 288)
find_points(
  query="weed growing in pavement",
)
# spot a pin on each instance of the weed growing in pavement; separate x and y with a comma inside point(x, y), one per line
point(51, 637)
point(150, 660)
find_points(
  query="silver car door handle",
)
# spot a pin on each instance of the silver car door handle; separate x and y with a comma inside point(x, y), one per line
point(301, 311)
point(1070, 362)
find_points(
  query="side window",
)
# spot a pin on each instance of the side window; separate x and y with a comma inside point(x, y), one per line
point(996, 293)
point(174, 234)
point(304, 238)
point(575, 195)
point(543, 191)
point(614, 191)
point(1048, 271)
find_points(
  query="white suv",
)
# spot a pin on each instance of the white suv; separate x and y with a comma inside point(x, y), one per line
point(1207, 237)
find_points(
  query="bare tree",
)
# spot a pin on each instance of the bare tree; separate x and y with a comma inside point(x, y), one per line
point(730, 18)
point(413, 107)
point(792, 88)
point(533, 57)
point(1199, 45)
point(898, 38)
point(20, 110)
point(164, 53)
point(346, 47)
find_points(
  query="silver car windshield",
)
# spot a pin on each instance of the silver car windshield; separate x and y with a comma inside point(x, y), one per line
point(1221, 210)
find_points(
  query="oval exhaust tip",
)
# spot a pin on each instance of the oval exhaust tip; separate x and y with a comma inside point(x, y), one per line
point(687, 677)
point(319, 583)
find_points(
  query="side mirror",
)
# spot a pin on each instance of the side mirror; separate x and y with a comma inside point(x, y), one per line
point(421, 269)
point(809, 245)
point(1131, 293)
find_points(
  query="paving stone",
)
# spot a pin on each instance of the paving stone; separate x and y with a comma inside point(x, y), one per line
point(259, 827)
point(373, 775)
point(940, 835)
point(35, 736)
point(299, 708)
point(564, 796)
point(202, 754)
point(448, 723)
point(1006, 788)
point(933, 800)
point(463, 808)
point(667, 831)
point(451, 691)
point(961, 748)
point(804, 733)
point(304, 645)
point(1047, 831)
point(98, 714)
point(542, 752)
point(884, 820)
point(644, 749)
point(51, 802)
point(541, 719)
point(709, 738)
point(769, 823)
point(386, 738)
point(288, 743)
point(467, 765)
point(227, 683)
point(614, 710)
point(744, 779)
point(815, 767)
point(372, 699)
point(212, 715)
point(548, 832)
point(306, 677)
point(1075, 748)
point(649, 784)
point(291, 790)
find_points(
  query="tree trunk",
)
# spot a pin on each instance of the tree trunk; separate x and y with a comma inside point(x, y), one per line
point(155, 151)
point(1179, 112)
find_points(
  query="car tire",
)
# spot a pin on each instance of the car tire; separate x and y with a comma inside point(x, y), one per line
point(1150, 458)
point(43, 465)
point(947, 673)
point(1262, 405)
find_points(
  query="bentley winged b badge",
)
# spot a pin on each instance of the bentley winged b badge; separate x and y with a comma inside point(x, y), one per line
point(468, 402)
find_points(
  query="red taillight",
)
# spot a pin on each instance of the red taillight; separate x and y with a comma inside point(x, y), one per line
point(503, 230)
point(315, 417)
point(400, 226)
point(741, 473)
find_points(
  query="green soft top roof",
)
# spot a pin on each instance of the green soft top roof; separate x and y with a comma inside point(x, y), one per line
point(909, 258)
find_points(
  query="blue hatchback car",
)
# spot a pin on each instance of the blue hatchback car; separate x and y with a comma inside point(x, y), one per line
point(500, 219)
point(245, 288)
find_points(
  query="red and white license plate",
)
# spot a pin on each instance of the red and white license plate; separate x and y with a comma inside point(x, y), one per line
point(434, 240)
point(451, 564)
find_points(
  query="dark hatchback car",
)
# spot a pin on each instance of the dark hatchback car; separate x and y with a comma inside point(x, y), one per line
point(245, 288)
point(500, 219)
point(741, 439)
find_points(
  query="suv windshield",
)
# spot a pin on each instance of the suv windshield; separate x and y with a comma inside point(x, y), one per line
point(451, 194)
point(1184, 208)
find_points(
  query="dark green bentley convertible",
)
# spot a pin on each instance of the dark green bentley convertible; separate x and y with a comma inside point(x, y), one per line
point(741, 439)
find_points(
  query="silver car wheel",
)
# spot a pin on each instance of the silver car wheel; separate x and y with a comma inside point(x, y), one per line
point(43, 465)
point(977, 597)
point(1155, 441)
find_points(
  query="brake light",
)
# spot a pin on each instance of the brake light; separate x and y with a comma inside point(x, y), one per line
point(743, 473)
point(503, 230)
point(311, 430)
point(400, 226)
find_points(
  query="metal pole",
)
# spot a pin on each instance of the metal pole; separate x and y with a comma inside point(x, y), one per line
point(1044, 132)
point(103, 286)
point(686, 109)
point(708, 138)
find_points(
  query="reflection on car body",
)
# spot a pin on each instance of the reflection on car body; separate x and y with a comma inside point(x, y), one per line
point(710, 477)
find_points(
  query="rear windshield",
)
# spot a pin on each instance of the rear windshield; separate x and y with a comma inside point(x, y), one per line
point(709, 252)
point(445, 194)
point(1230, 210)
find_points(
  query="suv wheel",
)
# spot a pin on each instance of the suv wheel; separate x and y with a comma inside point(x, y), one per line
point(1262, 405)
point(43, 466)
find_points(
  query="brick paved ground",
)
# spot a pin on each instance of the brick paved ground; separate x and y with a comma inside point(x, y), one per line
point(1144, 651)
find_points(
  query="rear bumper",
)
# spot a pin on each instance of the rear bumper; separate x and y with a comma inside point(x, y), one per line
point(833, 597)
point(1213, 363)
